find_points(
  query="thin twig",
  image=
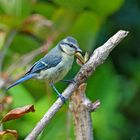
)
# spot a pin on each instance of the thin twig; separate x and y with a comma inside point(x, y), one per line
point(96, 59)
point(7, 44)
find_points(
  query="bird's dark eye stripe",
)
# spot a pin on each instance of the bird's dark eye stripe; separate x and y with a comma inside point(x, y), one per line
point(71, 45)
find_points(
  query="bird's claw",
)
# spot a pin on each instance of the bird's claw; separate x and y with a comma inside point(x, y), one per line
point(72, 81)
point(69, 81)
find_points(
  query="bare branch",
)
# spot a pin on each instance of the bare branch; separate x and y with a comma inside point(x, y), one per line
point(96, 59)
point(79, 107)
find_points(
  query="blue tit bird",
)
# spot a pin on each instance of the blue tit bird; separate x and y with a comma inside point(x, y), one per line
point(54, 65)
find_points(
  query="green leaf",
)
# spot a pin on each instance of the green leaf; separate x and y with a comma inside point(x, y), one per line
point(20, 96)
point(63, 19)
point(85, 30)
point(44, 9)
point(28, 44)
point(8, 21)
point(2, 38)
point(105, 7)
point(61, 127)
point(41, 106)
point(18, 8)
point(76, 5)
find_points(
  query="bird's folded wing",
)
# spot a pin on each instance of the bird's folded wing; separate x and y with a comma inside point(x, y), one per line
point(45, 63)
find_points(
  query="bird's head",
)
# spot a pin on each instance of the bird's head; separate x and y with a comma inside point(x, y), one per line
point(70, 46)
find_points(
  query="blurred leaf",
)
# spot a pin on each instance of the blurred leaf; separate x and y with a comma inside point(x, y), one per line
point(18, 112)
point(6, 100)
point(63, 19)
point(77, 5)
point(8, 22)
point(132, 67)
point(8, 135)
point(14, 9)
point(104, 85)
point(105, 7)
point(44, 9)
point(60, 128)
point(20, 96)
point(19, 8)
point(85, 30)
point(5, 103)
point(129, 90)
point(2, 38)
point(37, 25)
point(41, 106)
point(28, 43)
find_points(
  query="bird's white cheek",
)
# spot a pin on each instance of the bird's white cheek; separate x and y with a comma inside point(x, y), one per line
point(68, 50)
point(64, 48)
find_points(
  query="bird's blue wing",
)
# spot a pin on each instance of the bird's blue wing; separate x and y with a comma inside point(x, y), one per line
point(45, 63)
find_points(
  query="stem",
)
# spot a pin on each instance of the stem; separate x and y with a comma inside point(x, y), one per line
point(7, 44)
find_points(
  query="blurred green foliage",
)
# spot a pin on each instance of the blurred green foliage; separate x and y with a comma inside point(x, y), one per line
point(92, 22)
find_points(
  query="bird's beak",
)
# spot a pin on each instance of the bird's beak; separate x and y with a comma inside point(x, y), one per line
point(78, 50)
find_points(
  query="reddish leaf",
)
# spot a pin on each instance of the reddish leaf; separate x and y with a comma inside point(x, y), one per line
point(18, 112)
point(11, 134)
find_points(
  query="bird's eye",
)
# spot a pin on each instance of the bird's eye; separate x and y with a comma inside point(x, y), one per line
point(72, 46)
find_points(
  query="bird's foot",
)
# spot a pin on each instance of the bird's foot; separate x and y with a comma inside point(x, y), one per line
point(58, 94)
point(62, 98)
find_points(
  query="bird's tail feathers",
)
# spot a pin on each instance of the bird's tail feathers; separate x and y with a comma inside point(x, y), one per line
point(22, 79)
